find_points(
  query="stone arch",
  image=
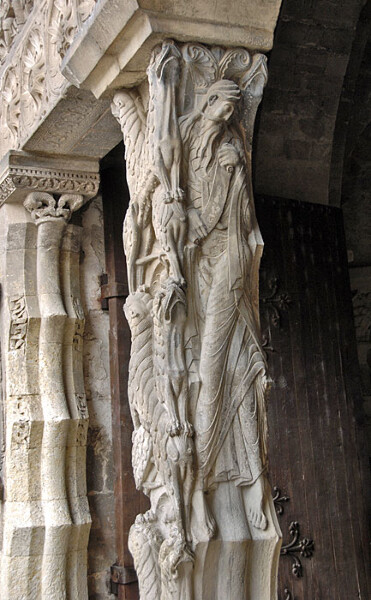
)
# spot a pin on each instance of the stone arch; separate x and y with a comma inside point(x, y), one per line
point(307, 65)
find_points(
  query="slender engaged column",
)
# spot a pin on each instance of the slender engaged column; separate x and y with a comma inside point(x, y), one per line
point(45, 510)
point(76, 399)
point(62, 423)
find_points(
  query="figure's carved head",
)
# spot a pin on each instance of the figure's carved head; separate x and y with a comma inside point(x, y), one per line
point(221, 99)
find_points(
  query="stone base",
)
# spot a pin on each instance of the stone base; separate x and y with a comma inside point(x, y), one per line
point(244, 569)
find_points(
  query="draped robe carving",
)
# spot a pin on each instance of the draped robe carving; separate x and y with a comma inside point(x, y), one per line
point(198, 376)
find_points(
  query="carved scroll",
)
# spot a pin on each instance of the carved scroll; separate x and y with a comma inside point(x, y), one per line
point(197, 375)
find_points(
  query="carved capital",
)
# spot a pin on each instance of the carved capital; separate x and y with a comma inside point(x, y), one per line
point(44, 207)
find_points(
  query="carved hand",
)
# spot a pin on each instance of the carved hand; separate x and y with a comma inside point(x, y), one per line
point(197, 227)
point(228, 156)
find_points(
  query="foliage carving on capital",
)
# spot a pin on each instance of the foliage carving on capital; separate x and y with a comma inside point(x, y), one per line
point(197, 373)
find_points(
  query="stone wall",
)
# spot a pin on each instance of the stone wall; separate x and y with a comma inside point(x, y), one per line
point(356, 204)
point(96, 371)
point(294, 143)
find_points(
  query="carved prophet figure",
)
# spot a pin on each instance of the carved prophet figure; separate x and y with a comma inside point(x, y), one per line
point(230, 438)
point(197, 375)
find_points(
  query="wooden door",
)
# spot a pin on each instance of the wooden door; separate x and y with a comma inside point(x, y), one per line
point(128, 501)
point(314, 444)
point(314, 409)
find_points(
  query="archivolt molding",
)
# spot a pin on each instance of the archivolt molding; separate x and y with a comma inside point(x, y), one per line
point(34, 38)
point(13, 15)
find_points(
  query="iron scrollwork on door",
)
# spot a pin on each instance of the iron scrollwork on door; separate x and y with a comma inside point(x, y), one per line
point(287, 595)
point(303, 547)
point(271, 306)
point(279, 500)
point(297, 547)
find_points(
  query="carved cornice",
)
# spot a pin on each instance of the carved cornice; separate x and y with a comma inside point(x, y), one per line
point(47, 180)
point(120, 55)
point(17, 178)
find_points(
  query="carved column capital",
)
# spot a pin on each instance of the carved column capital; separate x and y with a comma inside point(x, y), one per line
point(44, 207)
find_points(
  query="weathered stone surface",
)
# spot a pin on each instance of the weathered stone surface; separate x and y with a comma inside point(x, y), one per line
point(102, 552)
point(197, 374)
point(118, 55)
point(46, 516)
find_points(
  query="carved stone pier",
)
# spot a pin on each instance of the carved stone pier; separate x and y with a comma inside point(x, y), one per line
point(197, 375)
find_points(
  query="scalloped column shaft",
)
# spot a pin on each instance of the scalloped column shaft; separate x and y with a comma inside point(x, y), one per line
point(45, 510)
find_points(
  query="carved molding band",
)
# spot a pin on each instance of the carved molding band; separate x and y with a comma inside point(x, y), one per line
point(48, 181)
point(18, 323)
point(13, 16)
point(24, 172)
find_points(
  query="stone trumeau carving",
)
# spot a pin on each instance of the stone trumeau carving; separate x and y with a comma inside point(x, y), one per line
point(198, 379)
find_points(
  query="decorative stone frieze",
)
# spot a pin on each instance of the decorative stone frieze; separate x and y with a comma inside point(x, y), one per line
point(21, 172)
point(197, 376)
point(47, 520)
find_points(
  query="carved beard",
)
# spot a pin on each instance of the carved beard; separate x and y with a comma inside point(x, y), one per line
point(207, 140)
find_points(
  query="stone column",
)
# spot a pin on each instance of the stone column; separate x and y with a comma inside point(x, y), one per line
point(46, 518)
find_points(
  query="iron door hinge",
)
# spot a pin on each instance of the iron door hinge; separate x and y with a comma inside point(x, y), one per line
point(112, 289)
point(121, 576)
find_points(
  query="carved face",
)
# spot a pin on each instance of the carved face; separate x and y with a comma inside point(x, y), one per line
point(219, 109)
